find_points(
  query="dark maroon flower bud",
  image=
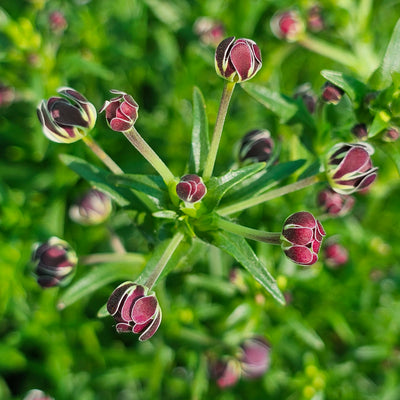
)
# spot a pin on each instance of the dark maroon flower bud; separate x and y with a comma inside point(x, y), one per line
point(349, 167)
point(315, 20)
point(7, 95)
point(121, 111)
point(191, 188)
point(360, 131)
point(335, 204)
point(135, 309)
point(335, 254)
point(66, 121)
point(391, 135)
point(309, 98)
point(255, 358)
point(226, 372)
point(54, 261)
point(237, 60)
point(301, 238)
point(92, 209)
point(209, 30)
point(256, 146)
point(36, 394)
point(287, 25)
point(57, 21)
point(331, 93)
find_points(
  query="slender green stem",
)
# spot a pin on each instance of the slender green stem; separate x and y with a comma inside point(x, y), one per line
point(100, 153)
point(116, 242)
point(272, 194)
point(249, 233)
point(150, 155)
point(219, 125)
point(162, 262)
point(100, 258)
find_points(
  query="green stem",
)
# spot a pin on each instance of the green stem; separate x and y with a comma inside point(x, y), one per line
point(150, 155)
point(219, 125)
point(272, 194)
point(104, 157)
point(112, 258)
point(249, 233)
point(162, 262)
point(116, 242)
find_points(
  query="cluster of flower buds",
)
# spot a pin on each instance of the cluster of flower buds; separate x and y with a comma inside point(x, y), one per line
point(54, 261)
point(66, 121)
point(287, 25)
point(301, 238)
point(209, 30)
point(191, 188)
point(237, 60)
point(92, 209)
point(256, 146)
point(335, 254)
point(135, 309)
point(335, 204)
point(349, 167)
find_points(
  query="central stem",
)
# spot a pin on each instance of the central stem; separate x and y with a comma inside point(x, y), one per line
point(219, 124)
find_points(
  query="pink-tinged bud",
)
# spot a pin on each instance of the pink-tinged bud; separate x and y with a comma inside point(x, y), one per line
point(36, 394)
point(305, 93)
point(255, 359)
point(349, 167)
point(301, 238)
point(256, 146)
point(335, 204)
point(209, 31)
point(92, 209)
point(360, 131)
point(66, 120)
point(57, 22)
point(55, 262)
point(7, 95)
point(287, 25)
point(391, 135)
point(191, 188)
point(121, 111)
point(315, 20)
point(226, 372)
point(135, 309)
point(237, 60)
point(331, 93)
point(335, 254)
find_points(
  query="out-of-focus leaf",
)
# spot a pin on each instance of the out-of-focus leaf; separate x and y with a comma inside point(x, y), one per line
point(11, 359)
point(211, 284)
point(393, 151)
point(307, 334)
point(379, 123)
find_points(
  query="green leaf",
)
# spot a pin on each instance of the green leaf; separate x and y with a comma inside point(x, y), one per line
point(393, 151)
point(390, 64)
point(218, 186)
point(237, 247)
point(97, 278)
point(307, 334)
point(200, 140)
point(379, 123)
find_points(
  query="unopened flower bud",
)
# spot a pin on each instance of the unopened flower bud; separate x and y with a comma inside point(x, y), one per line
point(92, 209)
point(305, 93)
point(349, 167)
point(226, 372)
point(360, 131)
point(257, 146)
point(36, 394)
point(237, 60)
point(391, 135)
point(209, 30)
point(121, 111)
point(301, 238)
point(315, 20)
point(135, 309)
point(331, 93)
point(335, 254)
point(57, 21)
point(54, 261)
point(255, 358)
point(191, 188)
point(7, 95)
point(335, 204)
point(66, 121)
point(287, 25)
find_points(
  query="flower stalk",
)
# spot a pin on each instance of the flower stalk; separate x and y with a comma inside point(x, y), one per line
point(101, 258)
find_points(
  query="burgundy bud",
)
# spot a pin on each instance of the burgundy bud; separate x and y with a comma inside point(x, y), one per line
point(335, 204)
point(191, 188)
point(331, 93)
point(335, 254)
point(92, 209)
point(287, 25)
point(54, 261)
point(360, 131)
point(257, 146)
point(309, 98)
point(226, 372)
point(315, 20)
point(391, 135)
point(255, 358)
point(349, 167)
point(135, 309)
point(121, 111)
point(237, 60)
point(7, 95)
point(57, 22)
point(301, 238)
point(209, 31)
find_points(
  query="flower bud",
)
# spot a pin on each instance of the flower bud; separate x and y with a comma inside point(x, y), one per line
point(287, 25)
point(121, 111)
point(55, 261)
point(209, 31)
point(391, 135)
point(255, 358)
point(237, 60)
point(36, 394)
point(66, 121)
point(360, 131)
point(135, 309)
point(305, 93)
point(7, 95)
point(349, 167)
point(315, 20)
point(257, 146)
point(57, 21)
point(92, 209)
point(191, 188)
point(335, 254)
point(301, 238)
point(331, 93)
point(226, 372)
point(335, 204)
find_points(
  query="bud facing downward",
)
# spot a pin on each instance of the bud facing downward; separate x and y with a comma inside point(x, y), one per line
point(287, 25)
point(191, 188)
point(257, 146)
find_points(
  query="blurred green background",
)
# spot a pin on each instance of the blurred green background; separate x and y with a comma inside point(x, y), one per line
point(338, 338)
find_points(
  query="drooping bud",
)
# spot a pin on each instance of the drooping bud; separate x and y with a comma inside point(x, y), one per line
point(335, 204)
point(309, 98)
point(349, 167)
point(255, 358)
point(391, 135)
point(360, 131)
point(191, 188)
point(121, 111)
point(237, 60)
point(301, 238)
point(256, 146)
point(226, 372)
point(135, 309)
point(54, 261)
point(66, 121)
point(331, 93)
point(335, 254)
point(209, 31)
point(92, 209)
point(287, 25)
